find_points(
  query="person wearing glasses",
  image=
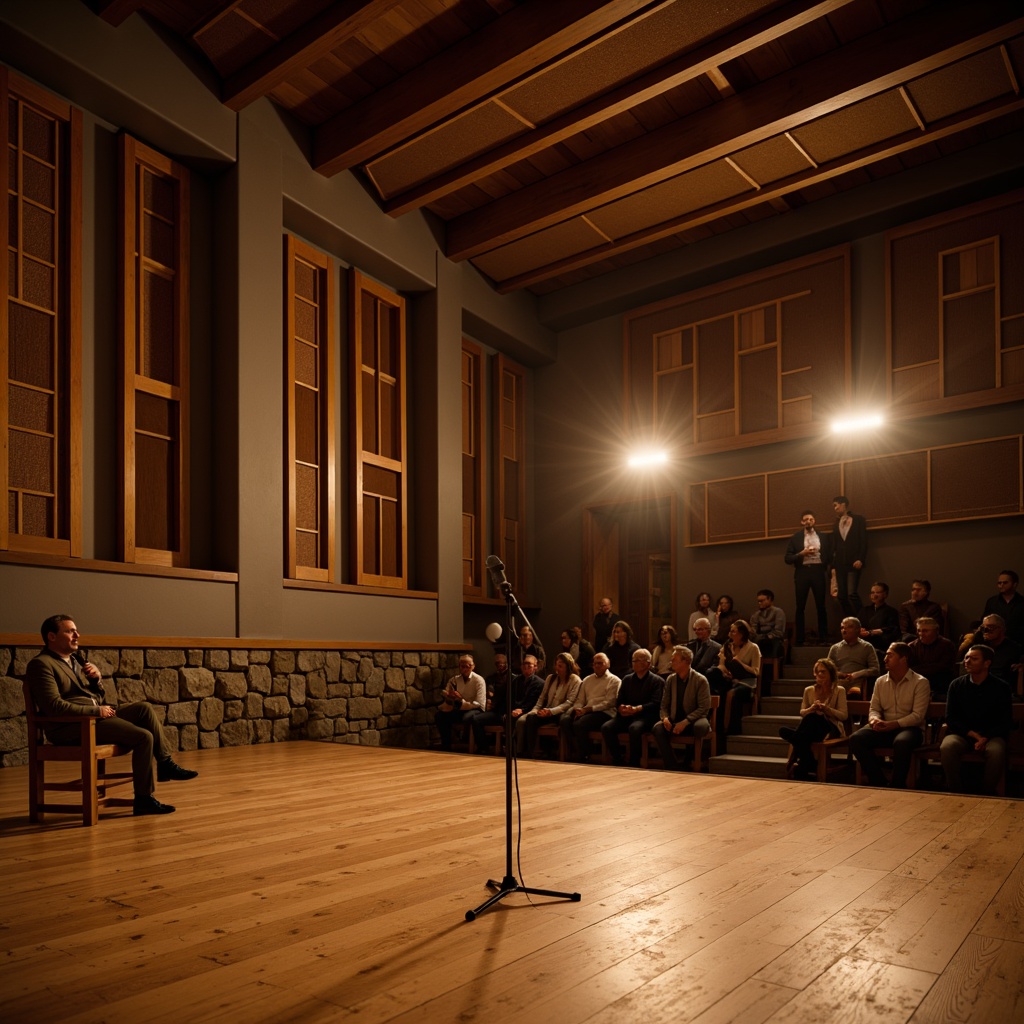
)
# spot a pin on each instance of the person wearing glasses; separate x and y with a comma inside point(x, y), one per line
point(1006, 653)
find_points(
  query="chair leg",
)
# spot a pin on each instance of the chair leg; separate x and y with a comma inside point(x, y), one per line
point(90, 789)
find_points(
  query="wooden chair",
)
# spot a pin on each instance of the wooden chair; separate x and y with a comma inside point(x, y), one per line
point(552, 729)
point(689, 740)
point(823, 750)
point(94, 781)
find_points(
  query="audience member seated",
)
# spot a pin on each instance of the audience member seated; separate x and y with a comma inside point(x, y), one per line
point(585, 659)
point(979, 716)
point(1006, 655)
point(603, 622)
point(685, 706)
point(620, 648)
point(899, 706)
point(726, 617)
point(661, 656)
point(933, 656)
point(529, 644)
point(705, 650)
point(636, 711)
point(821, 712)
point(920, 606)
point(464, 698)
point(1009, 605)
point(557, 696)
point(526, 689)
point(855, 659)
point(594, 705)
point(768, 624)
point(703, 611)
point(739, 662)
point(880, 622)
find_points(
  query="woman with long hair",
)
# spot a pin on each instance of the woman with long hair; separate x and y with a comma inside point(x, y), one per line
point(620, 649)
point(560, 689)
point(661, 656)
point(727, 615)
point(739, 664)
point(821, 712)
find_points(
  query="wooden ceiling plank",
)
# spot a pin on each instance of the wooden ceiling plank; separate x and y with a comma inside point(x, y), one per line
point(474, 68)
point(313, 40)
point(775, 193)
point(692, 65)
point(115, 12)
point(883, 60)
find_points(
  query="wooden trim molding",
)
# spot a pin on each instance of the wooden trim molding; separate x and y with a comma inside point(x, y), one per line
point(233, 643)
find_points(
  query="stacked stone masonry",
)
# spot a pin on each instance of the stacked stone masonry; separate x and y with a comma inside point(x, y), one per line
point(225, 698)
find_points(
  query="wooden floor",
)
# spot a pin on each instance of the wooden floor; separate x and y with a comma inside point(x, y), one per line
point(316, 882)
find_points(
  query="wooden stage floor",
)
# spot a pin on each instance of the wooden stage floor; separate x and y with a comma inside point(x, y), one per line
point(314, 882)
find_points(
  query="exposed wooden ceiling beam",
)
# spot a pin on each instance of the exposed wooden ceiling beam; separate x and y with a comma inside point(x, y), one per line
point(773, 194)
point(882, 60)
point(703, 60)
point(509, 47)
point(305, 45)
point(114, 12)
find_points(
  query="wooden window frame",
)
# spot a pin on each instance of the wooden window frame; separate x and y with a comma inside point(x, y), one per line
point(136, 159)
point(67, 412)
point(326, 465)
point(474, 469)
point(363, 457)
point(515, 563)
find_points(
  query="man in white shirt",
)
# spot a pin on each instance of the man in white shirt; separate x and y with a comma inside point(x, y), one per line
point(594, 705)
point(465, 697)
point(899, 706)
point(810, 553)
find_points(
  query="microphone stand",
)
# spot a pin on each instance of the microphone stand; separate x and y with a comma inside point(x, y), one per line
point(510, 884)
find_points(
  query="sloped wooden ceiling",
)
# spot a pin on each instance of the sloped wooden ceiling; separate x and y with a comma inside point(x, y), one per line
point(558, 139)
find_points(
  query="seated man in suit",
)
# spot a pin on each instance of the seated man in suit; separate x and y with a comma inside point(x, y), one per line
point(880, 622)
point(705, 650)
point(636, 709)
point(62, 682)
point(685, 705)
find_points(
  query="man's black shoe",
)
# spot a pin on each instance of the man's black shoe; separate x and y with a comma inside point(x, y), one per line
point(168, 771)
point(150, 805)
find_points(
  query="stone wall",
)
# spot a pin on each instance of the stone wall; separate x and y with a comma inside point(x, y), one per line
point(223, 698)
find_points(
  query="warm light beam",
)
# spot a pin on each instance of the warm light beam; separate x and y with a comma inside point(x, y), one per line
point(857, 423)
point(646, 458)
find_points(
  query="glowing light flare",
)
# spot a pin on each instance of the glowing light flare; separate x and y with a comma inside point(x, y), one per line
point(647, 458)
point(866, 422)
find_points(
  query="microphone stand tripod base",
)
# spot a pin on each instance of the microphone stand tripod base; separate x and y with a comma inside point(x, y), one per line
point(509, 885)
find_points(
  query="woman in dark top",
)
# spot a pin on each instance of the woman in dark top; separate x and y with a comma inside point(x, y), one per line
point(620, 649)
point(529, 644)
point(726, 617)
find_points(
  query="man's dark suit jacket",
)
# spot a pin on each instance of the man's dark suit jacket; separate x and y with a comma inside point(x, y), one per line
point(796, 545)
point(58, 691)
point(854, 548)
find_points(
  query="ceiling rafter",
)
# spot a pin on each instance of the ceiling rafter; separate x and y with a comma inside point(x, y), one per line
point(509, 47)
point(303, 47)
point(703, 60)
point(872, 64)
point(774, 193)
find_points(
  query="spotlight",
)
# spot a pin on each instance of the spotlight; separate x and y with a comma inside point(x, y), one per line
point(875, 419)
point(646, 458)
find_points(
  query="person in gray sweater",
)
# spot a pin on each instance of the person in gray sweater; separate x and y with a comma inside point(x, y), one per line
point(685, 706)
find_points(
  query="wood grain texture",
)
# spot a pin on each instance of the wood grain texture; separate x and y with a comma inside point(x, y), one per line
point(322, 882)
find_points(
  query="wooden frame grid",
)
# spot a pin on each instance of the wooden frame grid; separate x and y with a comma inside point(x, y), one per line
point(474, 469)
point(309, 403)
point(55, 421)
point(155, 408)
point(509, 473)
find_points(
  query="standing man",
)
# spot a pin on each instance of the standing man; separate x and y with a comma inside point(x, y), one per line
point(849, 551)
point(685, 705)
point(856, 659)
point(639, 701)
point(979, 716)
point(465, 697)
point(63, 683)
point(899, 706)
point(603, 622)
point(809, 552)
point(594, 705)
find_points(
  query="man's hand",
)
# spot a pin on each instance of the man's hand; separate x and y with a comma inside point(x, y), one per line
point(92, 672)
point(516, 712)
point(544, 713)
point(879, 726)
point(106, 711)
point(680, 727)
point(626, 710)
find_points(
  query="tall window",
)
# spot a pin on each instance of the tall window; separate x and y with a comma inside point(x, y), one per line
point(309, 413)
point(40, 340)
point(379, 472)
point(472, 469)
point(510, 468)
point(155, 354)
